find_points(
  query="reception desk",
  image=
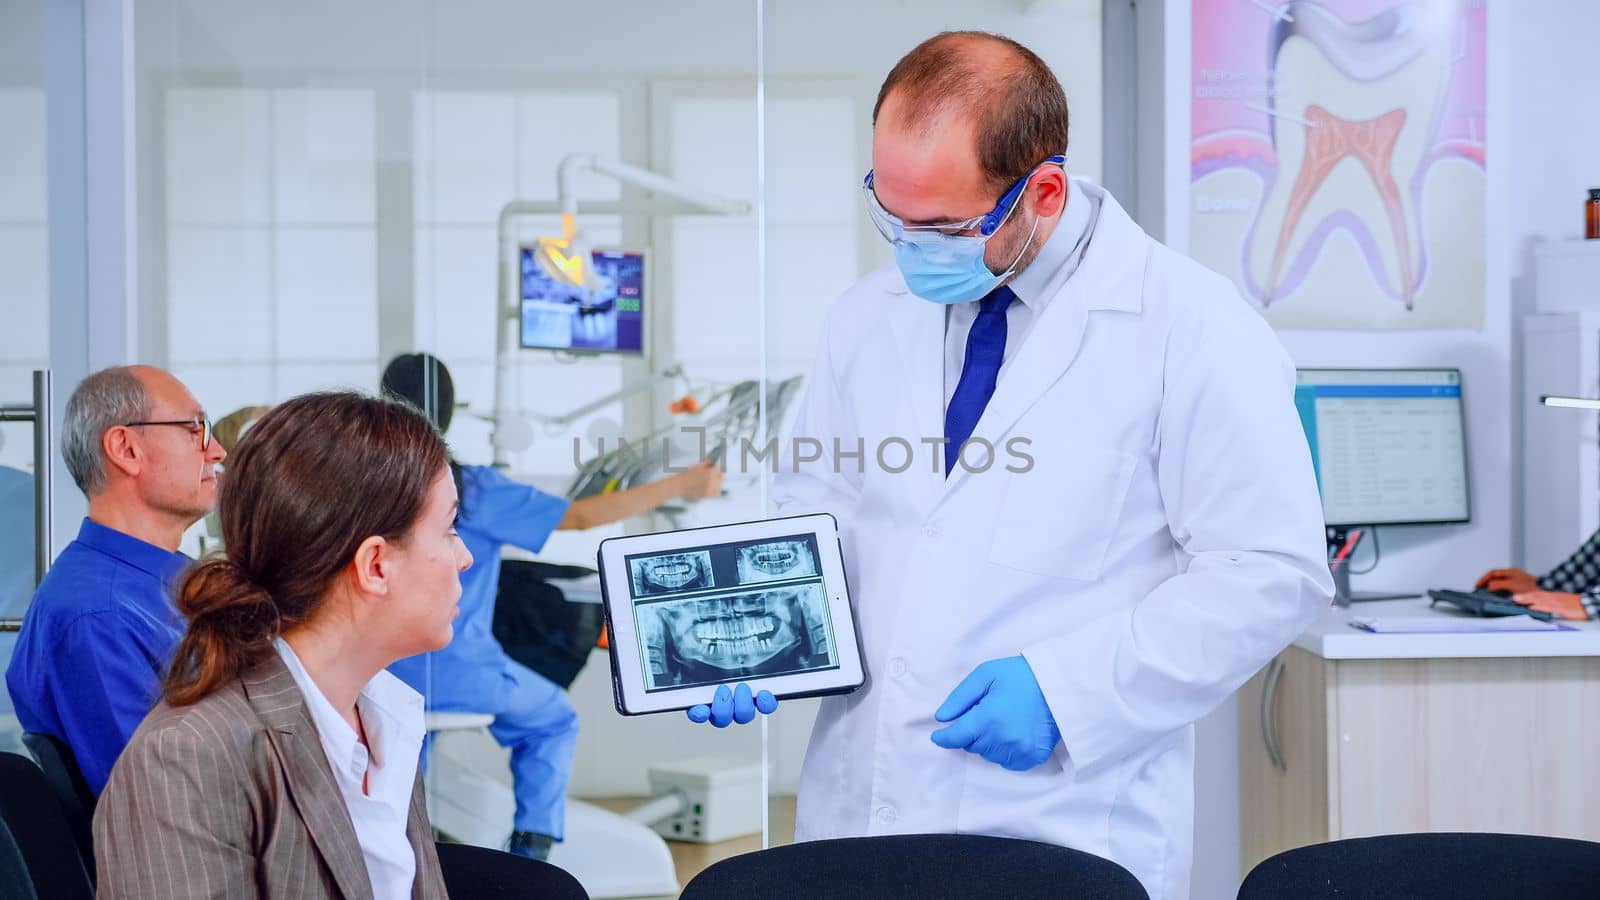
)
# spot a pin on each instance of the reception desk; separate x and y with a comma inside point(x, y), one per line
point(1350, 734)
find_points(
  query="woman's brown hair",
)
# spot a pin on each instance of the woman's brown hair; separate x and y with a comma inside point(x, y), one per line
point(309, 482)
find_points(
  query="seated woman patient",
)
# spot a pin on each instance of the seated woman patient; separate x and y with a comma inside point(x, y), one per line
point(282, 758)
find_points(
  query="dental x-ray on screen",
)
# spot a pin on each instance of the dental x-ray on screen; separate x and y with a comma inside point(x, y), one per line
point(671, 572)
point(769, 608)
point(774, 631)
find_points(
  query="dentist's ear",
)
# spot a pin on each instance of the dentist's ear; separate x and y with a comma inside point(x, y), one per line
point(1049, 187)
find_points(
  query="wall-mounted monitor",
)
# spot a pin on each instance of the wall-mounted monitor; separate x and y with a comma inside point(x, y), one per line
point(606, 316)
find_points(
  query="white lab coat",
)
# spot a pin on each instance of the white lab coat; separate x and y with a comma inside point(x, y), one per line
point(1166, 542)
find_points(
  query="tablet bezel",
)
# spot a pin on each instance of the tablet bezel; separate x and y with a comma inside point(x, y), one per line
point(627, 669)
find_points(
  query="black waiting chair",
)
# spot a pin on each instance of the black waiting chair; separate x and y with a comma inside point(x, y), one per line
point(41, 832)
point(921, 866)
point(15, 883)
point(71, 789)
point(1439, 866)
point(471, 873)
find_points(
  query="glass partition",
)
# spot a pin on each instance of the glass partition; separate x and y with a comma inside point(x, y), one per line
point(324, 187)
point(24, 305)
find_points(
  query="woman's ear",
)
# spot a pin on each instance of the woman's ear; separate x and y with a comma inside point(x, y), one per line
point(373, 565)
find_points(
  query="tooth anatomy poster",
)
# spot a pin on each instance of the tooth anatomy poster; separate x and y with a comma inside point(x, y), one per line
point(1337, 159)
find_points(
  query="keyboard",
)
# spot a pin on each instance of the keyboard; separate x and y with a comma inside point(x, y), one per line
point(1484, 603)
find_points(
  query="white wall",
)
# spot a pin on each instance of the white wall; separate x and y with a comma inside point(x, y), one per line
point(494, 39)
point(1555, 147)
point(1544, 131)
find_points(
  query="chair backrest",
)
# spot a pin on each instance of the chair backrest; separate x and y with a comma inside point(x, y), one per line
point(481, 873)
point(60, 768)
point(38, 825)
point(15, 883)
point(1431, 867)
point(924, 866)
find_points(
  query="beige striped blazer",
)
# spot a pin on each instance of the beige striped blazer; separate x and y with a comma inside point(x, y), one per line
point(233, 797)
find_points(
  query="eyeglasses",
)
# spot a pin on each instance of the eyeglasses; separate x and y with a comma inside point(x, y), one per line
point(203, 424)
point(894, 230)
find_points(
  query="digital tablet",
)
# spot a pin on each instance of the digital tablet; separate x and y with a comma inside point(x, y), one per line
point(758, 602)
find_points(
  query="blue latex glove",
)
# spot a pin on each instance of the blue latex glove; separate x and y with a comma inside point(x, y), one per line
point(999, 713)
point(732, 706)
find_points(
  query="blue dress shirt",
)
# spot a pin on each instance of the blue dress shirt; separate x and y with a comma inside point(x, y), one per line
point(95, 643)
point(495, 511)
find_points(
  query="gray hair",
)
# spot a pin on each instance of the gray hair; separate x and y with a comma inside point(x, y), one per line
point(104, 400)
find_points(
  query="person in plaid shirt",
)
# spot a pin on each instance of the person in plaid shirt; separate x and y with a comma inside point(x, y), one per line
point(1571, 590)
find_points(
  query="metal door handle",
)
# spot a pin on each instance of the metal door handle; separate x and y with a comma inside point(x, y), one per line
point(1269, 719)
point(38, 412)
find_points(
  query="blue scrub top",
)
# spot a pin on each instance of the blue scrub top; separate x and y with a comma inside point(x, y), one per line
point(465, 676)
point(95, 642)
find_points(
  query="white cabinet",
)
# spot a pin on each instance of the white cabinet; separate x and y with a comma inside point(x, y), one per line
point(1560, 447)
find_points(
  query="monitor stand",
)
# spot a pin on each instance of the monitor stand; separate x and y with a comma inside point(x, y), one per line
point(1341, 546)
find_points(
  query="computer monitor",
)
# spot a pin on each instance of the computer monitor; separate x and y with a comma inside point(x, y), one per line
point(1389, 445)
point(605, 317)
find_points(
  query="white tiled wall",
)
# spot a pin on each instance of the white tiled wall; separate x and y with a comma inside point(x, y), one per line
point(220, 299)
point(323, 151)
point(326, 282)
point(811, 244)
point(218, 155)
point(24, 259)
point(271, 241)
point(812, 252)
point(475, 151)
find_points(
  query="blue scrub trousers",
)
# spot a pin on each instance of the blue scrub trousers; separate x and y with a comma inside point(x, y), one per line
point(539, 726)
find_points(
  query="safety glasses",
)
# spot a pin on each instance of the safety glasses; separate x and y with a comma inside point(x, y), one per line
point(896, 231)
point(203, 424)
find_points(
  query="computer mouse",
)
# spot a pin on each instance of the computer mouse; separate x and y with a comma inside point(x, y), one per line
point(1499, 593)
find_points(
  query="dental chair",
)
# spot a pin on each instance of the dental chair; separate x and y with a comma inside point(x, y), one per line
point(611, 855)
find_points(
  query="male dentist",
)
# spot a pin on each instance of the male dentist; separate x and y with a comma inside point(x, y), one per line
point(1113, 521)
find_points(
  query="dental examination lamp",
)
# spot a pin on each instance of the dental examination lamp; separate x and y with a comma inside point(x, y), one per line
point(566, 258)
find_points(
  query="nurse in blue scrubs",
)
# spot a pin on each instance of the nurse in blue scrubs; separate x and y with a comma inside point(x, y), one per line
point(533, 717)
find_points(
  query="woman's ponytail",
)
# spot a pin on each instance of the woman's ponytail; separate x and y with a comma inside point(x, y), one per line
point(232, 621)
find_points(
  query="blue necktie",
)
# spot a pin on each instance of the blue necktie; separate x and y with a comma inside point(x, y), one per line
point(986, 347)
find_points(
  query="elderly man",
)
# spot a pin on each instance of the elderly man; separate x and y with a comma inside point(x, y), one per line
point(102, 626)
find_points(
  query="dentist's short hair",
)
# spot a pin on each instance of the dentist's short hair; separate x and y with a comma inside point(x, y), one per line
point(1018, 106)
point(104, 400)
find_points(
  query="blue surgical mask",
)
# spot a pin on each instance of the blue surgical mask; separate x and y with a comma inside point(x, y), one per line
point(940, 262)
point(950, 268)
